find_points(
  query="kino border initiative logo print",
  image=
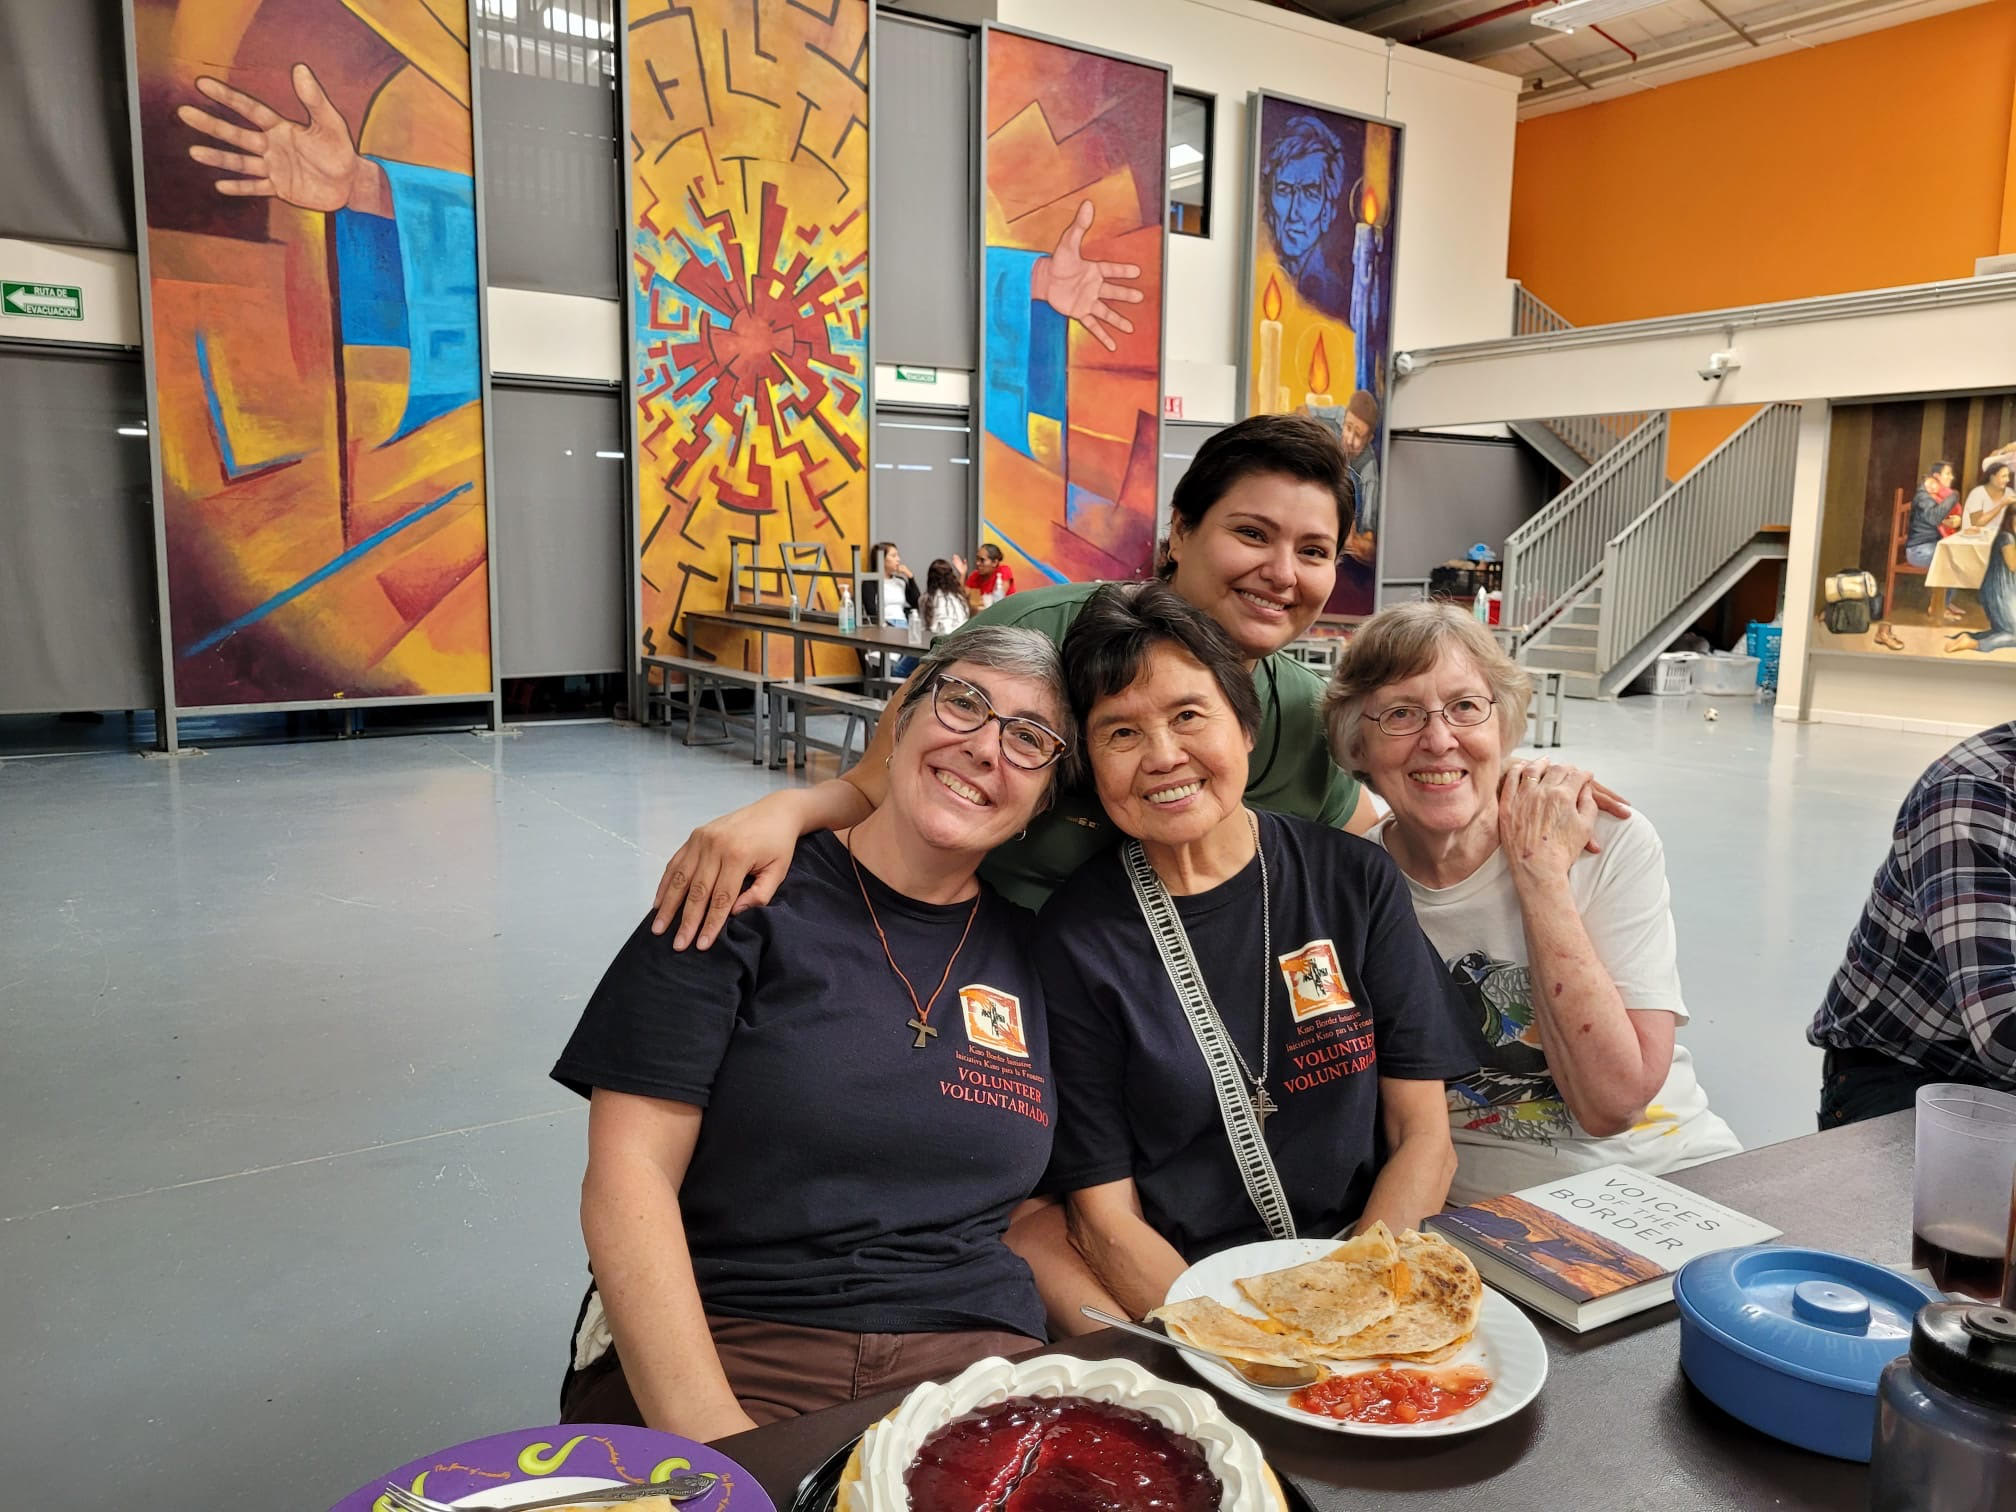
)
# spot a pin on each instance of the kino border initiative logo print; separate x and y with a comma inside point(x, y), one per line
point(994, 1020)
point(1315, 985)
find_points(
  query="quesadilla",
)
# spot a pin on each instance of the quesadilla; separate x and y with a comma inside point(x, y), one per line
point(1214, 1326)
point(1348, 1291)
point(1440, 1306)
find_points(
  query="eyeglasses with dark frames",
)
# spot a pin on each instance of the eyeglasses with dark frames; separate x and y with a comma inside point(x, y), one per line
point(963, 708)
point(1412, 719)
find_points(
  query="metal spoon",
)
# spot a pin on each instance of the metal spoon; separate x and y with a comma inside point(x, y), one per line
point(1261, 1377)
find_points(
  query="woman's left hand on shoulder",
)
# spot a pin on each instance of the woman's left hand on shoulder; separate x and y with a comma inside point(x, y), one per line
point(1546, 817)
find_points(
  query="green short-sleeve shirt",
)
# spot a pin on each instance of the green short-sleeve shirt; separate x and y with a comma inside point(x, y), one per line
point(1291, 773)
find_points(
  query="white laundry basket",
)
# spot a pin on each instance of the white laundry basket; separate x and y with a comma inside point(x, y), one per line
point(1674, 673)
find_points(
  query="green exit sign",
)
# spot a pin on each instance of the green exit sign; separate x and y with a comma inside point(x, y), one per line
point(44, 301)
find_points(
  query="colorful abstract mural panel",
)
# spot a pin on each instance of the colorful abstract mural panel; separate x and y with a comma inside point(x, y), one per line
point(311, 237)
point(1319, 297)
point(1918, 530)
point(749, 360)
point(1074, 161)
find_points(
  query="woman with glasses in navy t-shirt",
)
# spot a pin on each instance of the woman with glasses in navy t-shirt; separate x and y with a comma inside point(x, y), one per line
point(804, 1143)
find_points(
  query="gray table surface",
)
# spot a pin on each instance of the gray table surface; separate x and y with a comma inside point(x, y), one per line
point(1617, 1426)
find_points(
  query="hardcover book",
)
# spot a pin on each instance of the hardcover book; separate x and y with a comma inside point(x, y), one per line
point(1596, 1246)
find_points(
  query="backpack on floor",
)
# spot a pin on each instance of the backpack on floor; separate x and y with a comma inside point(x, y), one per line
point(1848, 617)
point(1851, 585)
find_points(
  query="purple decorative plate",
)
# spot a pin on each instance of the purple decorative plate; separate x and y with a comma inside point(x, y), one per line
point(533, 1463)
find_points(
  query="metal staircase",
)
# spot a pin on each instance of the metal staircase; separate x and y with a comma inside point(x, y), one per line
point(1572, 443)
point(1608, 599)
point(1620, 563)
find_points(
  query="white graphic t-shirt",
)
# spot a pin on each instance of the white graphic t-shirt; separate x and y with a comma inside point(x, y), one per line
point(1512, 1129)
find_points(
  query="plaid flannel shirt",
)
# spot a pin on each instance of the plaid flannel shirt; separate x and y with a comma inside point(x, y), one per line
point(1931, 971)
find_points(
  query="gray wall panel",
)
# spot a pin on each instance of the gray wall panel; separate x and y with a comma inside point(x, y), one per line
point(552, 203)
point(925, 261)
point(923, 474)
point(77, 614)
point(558, 519)
point(1444, 493)
point(67, 172)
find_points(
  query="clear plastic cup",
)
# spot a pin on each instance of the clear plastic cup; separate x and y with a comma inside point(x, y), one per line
point(1964, 1166)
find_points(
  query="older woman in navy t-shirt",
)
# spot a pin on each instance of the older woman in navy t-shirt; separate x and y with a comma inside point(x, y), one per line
point(804, 1144)
point(1336, 1025)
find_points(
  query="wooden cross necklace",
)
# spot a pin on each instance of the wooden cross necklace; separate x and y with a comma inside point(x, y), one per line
point(921, 1019)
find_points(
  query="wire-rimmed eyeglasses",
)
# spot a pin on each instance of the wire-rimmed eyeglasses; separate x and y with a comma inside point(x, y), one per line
point(1412, 719)
point(963, 708)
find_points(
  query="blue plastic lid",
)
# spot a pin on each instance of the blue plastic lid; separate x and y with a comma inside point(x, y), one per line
point(1812, 1314)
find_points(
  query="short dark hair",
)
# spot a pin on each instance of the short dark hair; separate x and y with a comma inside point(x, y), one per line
point(1294, 446)
point(1108, 644)
point(1995, 465)
point(1938, 467)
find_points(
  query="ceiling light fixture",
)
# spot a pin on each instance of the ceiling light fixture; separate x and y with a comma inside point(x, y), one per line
point(1566, 15)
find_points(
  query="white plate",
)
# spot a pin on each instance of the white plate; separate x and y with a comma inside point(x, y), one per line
point(519, 1492)
point(1506, 1345)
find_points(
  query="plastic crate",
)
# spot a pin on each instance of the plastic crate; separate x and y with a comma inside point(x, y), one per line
point(1763, 641)
point(1673, 673)
point(1726, 673)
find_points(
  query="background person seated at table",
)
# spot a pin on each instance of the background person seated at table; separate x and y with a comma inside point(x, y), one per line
point(1928, 991)
point(1554, 919)
point(991, 578)
point(804, 1144)
point(943, 607)
point(1335, 1010)
point(883, 557)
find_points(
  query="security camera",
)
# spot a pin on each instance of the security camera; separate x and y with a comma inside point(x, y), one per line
point(1720, 366)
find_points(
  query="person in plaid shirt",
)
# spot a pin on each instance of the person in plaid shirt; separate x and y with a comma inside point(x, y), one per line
point(1928, 992)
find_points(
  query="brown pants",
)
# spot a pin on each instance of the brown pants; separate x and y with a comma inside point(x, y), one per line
point(780, 1370)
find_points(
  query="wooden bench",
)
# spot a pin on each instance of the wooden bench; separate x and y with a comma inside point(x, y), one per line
point(792, 702)
point(702, 678)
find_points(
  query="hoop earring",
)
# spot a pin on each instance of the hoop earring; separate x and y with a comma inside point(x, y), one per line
point(1022, 834)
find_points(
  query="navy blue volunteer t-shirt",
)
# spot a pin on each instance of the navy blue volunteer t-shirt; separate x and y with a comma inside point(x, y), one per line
point(1357, 994)
point(842, 1179)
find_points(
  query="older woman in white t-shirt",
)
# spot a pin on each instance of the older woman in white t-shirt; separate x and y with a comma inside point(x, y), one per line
point(1554, 919)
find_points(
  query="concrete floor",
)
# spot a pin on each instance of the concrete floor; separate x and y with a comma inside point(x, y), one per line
point(286, 1196)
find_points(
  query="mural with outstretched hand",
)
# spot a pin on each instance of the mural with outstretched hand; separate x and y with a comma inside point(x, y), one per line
point(311, 236)
point(1074, 162)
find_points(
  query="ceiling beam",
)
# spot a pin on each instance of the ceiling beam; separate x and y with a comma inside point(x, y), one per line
point(1384, 17)
point(1757, 34)
point(1492, 38)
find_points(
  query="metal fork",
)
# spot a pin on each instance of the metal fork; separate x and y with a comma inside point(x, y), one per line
point(680, 1488)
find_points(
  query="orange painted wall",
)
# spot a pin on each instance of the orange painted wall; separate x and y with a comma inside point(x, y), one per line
point(1879, 160)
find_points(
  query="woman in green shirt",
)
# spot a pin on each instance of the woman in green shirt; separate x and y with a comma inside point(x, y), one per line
point(1253, 533)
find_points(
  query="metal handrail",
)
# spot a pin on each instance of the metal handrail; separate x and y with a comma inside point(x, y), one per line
point(1590, 437)
point(1656, 562)
point(1533, 316)
point(1558, 553)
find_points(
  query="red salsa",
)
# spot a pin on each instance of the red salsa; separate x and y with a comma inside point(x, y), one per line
point(1393, 1395)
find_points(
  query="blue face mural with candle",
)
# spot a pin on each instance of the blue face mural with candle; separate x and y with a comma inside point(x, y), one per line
point(1320, 296)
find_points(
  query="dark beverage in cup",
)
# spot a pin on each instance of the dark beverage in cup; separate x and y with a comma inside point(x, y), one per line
point(2009, 1256)
point(1961, 1260)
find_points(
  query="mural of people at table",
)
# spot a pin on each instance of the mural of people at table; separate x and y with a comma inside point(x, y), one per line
point(1919, 496)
